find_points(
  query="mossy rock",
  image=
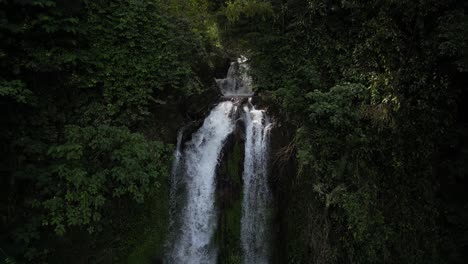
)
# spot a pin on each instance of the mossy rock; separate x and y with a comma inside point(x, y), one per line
point(229, 199)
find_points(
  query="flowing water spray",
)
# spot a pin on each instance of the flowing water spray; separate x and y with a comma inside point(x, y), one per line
point(256, 194)
point(237, 82)
point(201, 155)
point(195, 166)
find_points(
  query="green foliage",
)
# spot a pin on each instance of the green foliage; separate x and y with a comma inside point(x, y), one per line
point(248, 8)
point(373, 91)
point(94, 166)
point(147, 233)
point(78, 81)
point(17, 91)
point(139, 59)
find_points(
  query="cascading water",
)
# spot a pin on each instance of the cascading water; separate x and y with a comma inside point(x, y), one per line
point(200, 159)
point(256, 196)
point(195, 166)
point(237, 82)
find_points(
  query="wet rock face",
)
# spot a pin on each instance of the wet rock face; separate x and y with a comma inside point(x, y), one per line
point(229, 199)
point(221, 67)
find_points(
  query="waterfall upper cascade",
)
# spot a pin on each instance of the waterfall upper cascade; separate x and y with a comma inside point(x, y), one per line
point(194, 171)
point(237, 82)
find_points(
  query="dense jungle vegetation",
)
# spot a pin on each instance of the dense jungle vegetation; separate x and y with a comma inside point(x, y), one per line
point(370, 155)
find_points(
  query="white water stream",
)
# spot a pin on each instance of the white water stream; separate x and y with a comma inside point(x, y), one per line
point(194, 243)
point(195, 166)
point(256, 194)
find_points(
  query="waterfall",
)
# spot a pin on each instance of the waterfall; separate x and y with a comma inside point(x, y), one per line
point(195, 166)
point(201, 155)
point(237, 82)
point(256, 194)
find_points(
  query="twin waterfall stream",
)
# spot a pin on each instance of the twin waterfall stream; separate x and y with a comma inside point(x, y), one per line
point(193, 183)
